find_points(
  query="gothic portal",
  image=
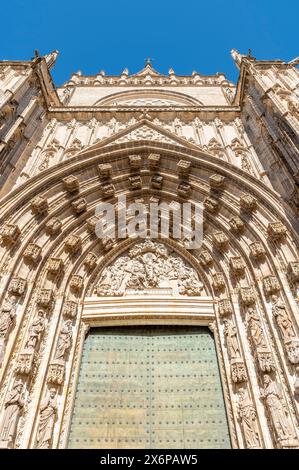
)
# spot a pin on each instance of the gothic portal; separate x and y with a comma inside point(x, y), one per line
point(143, 342)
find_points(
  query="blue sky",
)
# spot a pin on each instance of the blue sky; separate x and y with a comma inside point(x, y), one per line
point(187, 35)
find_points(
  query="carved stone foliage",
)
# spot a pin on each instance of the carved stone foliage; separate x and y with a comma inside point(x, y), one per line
point(57, 365)
point(286, 329)
point(271, 284)
point(73, 243)
point(278, 413)
point(237, 224)
point(211, 204)
point(225, 307)
point(238, 370)
point(149, 265)
point(220, 240)
point(90, 260)
point(10, 233)
point(53, 226)
point(79, 206)
point(17, 286)
point(55, 265)
point(217, 182)
point(257, 250)
point(71, 183)
point(276, 230)
point(39, 205)
point(47, 418)
point(247, 295)
point(45, 298)
point(247, 202)
point(260, 346)
point(32, 252)
point(13, 406)
point(248, 420)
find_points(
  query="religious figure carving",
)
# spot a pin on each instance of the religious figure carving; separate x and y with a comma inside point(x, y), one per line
point(272, 394)
point(12, 411)
point(7, 317)
point(282, 318)
point(247, 417)
point(36, 330)
point(64, 341)
point(232, 342)
point(47, 418)
point(254, 324)
point(146, 266)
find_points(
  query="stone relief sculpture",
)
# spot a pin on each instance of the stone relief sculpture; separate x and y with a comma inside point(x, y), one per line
point(47, 418)
point(149, 265)
point(64, 341)
point(286, 329)
point(36, 330)
point(278, 412)
point(260, 347)
point(12, 412)
point(238, 370)
point(248, 420)
point(7, 317)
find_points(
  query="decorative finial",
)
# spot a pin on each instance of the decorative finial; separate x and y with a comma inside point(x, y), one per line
point(249, 53)
point(148, 61)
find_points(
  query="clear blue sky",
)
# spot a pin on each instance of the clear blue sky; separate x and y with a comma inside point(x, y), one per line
point(186, 35)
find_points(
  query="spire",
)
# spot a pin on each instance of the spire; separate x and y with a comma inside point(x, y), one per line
point(237, 57)
point(148, 62)
point(51, 58)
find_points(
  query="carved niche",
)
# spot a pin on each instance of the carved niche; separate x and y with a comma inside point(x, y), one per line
point(238, 370)
point(259, 343)
point(286, 329)
point(147, 266)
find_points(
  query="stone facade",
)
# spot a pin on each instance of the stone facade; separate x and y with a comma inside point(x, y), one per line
point(151, 137)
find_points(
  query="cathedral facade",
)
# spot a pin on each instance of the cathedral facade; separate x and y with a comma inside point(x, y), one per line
point(125, 341)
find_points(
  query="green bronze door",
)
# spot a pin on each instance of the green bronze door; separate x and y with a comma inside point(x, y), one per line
point(149, 387)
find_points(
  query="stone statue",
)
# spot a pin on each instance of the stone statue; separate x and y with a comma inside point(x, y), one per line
point(247, 417)
point(12, 411)
point(36, 329)
point(64, 340)
point(47, 417)
point(7, 317)
point(282, 317)
point(230, 332)
point(272, 394)
point(256, 330)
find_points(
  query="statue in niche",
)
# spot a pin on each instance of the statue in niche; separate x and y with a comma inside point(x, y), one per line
point(64, 341)
point(177, 126)
point(47, 418)
point(7, 317)
point(232, 342)
point(12, 411)
point(247, 417)
point(36, 330)
point(257, 334)
point(272, 394)
point(282, 317)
